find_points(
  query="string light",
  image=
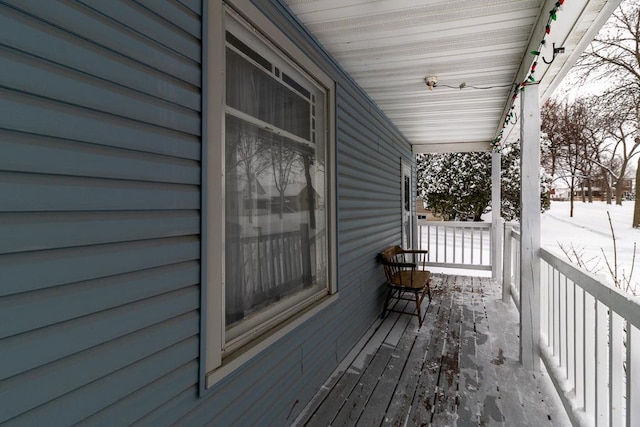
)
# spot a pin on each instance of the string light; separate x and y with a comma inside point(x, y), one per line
point(464, 85)
point(510, 117)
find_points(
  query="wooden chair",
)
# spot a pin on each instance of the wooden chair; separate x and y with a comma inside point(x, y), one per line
point(403, 277)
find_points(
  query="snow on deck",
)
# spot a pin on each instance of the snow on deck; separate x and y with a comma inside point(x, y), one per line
point(460, 368)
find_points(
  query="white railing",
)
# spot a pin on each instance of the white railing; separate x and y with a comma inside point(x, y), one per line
point(590, 345)
point(456, 244)
point(590, 338)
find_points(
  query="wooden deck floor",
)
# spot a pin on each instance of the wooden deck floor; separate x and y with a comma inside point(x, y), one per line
point(460, 368)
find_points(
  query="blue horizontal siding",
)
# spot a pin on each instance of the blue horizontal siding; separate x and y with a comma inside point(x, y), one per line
point(142, 404)
point(36, 231)
point(24, 271)
point(178, 14)
point(194, 5)
point(55, 45)
point(92, 296)
point(20, 394)
point(31, 192)
point(170, 411)
point(101, 143)
point(83, 22)
point(32, 75)
point(153, 26)
point(100, 214)
point(27, 351)
point(76, 406)
point(23, 152)
point(33, 114)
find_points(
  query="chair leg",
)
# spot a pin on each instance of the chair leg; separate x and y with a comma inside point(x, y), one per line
point(386, 302)
point(418, 299)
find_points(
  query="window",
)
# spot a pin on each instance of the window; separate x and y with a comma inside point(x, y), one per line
point(274, 245)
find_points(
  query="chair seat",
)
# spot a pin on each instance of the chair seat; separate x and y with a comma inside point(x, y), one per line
point(415, 279)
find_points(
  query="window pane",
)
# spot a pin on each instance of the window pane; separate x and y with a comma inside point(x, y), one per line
point(253, 91)
point(275, 221)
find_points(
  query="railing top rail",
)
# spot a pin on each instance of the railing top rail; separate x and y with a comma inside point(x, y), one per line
point(623, 304)
point(457, 224)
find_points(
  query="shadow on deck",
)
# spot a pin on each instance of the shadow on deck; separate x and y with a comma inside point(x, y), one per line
point(460, 368)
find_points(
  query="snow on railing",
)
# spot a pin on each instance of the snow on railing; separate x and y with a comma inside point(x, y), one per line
point(456, 244)
point(590, 338)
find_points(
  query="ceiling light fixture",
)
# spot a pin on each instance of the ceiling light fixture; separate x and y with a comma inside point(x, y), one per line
point(431, 82)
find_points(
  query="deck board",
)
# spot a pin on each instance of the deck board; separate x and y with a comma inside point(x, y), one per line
point(460, 368)
point(427, 378)
point(400, 406)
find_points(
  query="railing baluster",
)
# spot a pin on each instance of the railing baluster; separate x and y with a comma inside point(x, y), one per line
point(580, 373)
point(551, 307)
point(602, 377)
point(611, 347)
point(561, 316)
point(517, 271)
point(590, 357)
point(481, 245)
point(445, 244)
point(633, 375)
point(572, 356)
point(430, 253)
point(544, 297)
point(629, 378)
point(472, 248)
point(437, 243)
point(596, 366)
point(463, 245)
point(556, 283)
point(616, 369)
point(454, 244)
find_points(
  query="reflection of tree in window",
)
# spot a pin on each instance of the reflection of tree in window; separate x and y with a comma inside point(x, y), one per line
point(249, 154)
point(283, 159)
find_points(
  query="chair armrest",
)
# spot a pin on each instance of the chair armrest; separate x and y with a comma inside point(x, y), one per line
point(416, 251)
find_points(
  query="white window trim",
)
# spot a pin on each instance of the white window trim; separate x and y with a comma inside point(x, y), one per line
point(215, 367)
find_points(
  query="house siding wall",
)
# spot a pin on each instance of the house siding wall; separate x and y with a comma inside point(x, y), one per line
point(100, 222)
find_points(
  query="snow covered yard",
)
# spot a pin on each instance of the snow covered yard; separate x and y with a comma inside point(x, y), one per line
point(589, 233)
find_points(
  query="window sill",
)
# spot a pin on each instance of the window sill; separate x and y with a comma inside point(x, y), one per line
point(252, 349)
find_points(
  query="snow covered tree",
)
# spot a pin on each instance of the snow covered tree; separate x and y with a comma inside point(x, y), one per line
point(457, 186)
point(510, 183)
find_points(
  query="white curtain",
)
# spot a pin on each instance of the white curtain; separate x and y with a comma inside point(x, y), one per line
point(275, 243)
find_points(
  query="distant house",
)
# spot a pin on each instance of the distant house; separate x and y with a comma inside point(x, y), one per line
point(296, 197)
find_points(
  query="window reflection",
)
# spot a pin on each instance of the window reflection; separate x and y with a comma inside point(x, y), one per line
point(275, 242)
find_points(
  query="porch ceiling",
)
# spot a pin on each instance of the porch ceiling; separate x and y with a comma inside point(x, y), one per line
point(390, 46)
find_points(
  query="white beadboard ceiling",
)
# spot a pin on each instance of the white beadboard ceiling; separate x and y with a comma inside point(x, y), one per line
point(390, 46)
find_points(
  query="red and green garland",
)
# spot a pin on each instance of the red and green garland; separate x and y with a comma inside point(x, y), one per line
point(510, 115)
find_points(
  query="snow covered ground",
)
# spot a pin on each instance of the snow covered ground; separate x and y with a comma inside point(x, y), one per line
point(589, 233)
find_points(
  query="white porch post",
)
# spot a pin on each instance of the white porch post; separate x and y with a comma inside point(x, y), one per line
point(530, 228)
point(496, 229)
